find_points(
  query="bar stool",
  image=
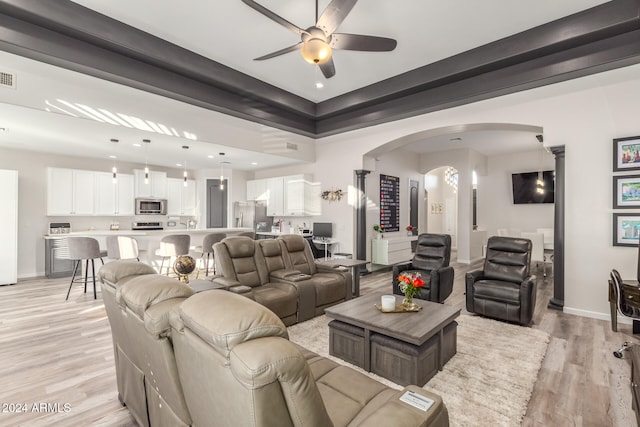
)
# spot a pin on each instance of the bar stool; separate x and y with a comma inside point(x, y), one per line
point(122, 247)
point(84, 249)
point(172, 246)
point(207, 248)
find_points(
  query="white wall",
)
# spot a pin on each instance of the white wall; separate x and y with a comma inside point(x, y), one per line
point(495, 203)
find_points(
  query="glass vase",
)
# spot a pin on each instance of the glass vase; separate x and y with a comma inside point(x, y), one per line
point(408, 303)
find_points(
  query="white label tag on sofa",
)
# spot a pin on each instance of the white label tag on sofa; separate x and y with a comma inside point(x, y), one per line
point(414, 399)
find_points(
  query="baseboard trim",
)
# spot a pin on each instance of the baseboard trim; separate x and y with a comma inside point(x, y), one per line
point(590, 314)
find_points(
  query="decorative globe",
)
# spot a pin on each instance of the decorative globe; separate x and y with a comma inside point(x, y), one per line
point(184, 266)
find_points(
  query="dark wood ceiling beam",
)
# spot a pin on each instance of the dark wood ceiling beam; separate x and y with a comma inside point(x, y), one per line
point(41, 44)
point(591, 58)
point(78, 22)
point(601, 22)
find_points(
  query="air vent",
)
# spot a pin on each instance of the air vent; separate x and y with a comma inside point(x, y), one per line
point(7, 80)
point(280, 147)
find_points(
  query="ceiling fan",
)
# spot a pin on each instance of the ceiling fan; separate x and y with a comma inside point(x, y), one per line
point(318, 41)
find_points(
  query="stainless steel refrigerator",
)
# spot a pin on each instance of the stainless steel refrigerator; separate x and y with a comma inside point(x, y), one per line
point(252, 214)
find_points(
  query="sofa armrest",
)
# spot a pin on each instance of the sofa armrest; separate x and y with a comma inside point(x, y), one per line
point(527, 299)
point(322, 268)
point(291, 276)
point(441, 283)
point(227, 283)
point(398, 413)
point(397, 270)
point(470, 278)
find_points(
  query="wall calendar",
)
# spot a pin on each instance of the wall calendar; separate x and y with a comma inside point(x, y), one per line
point(390, 202)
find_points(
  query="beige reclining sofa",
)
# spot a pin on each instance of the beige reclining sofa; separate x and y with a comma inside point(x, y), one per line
point(138, 302)
point(264, 271)
point(226, 361)
point(238, 368)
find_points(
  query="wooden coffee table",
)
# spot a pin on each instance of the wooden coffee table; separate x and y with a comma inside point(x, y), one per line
point(406, 348)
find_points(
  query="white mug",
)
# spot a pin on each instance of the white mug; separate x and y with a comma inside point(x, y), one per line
point(388, 302)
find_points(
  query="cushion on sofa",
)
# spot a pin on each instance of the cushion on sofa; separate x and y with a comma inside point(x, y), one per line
point(141, 292)
point(114, 271)
point(243, 320)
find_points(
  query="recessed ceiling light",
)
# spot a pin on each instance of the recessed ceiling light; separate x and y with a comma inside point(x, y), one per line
point(3, 129)
point(210, 156)
point(137, 145)
point(112, 157)
point(254, 163)
point(178, 164)
point(319, 85)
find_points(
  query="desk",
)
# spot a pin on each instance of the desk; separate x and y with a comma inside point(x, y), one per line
point(326, 243)
point(354, 264)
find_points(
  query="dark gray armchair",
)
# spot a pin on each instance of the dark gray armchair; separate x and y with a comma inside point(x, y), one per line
point(431, 260)
point(504, 289)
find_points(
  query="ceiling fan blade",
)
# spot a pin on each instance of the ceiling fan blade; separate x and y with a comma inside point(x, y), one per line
point(334, 14)
point(279, 52)
point(328, 69)
point(362, 42)
point(276, 18)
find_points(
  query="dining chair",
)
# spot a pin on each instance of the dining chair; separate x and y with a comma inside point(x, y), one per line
point(171, 246)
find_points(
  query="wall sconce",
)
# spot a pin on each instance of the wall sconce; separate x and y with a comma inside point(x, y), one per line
point(332, 195)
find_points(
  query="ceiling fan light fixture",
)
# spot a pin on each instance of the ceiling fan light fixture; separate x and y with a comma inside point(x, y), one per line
point(316, 51)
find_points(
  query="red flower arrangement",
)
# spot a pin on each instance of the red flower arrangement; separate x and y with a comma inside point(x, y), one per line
point(410, 285)
point(409, 228)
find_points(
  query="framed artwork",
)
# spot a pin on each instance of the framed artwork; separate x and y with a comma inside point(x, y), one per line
point(626, 228)
point(626, 191)
point(626, 153)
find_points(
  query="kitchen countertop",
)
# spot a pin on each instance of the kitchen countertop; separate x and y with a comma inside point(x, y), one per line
point(166, 231)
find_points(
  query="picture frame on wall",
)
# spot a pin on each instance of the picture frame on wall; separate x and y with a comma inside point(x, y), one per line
point(626, 192)
point(626, 153)
point(626, 229)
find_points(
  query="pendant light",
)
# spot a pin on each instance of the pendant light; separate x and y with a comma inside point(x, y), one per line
point(540, 178)
point(146, 160)
point(184, 174)
point(114, 169)
point(221, 173)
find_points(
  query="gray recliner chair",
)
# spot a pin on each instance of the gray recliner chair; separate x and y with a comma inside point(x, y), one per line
point(431, 260)
point(503, 289)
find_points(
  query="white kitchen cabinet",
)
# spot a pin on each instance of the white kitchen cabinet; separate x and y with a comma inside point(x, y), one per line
point(293, 195)
point(181, 200)
point(275, 194)
point(114, 198)
point(70, 192)
point(9, 229)
point(157, 186)
point(301, 196)
point(257, 189)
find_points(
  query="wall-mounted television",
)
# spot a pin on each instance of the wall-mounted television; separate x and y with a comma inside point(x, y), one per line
point(533, 187)
point(322, 229)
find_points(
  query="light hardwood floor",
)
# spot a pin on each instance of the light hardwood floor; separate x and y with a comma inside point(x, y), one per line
point(56, 352)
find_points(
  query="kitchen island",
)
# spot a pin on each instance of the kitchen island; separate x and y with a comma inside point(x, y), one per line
point(148, 243)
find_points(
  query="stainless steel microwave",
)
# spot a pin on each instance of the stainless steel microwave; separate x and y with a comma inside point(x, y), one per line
point(147, 206)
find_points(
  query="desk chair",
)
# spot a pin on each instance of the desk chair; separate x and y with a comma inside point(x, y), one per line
point(84, 249)
point(624, 299)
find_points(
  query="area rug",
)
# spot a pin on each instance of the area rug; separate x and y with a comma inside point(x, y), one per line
point(487, 383)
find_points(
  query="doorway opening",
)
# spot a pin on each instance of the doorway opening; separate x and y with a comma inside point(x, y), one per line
point(217, 207)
